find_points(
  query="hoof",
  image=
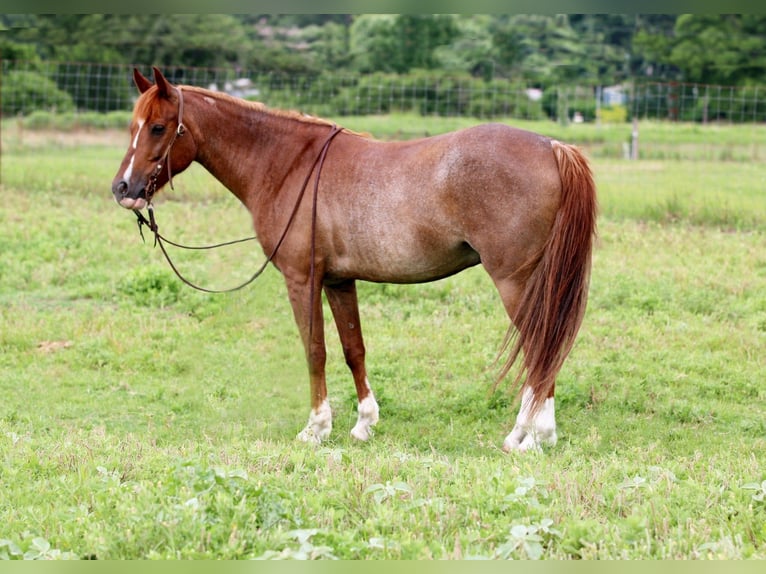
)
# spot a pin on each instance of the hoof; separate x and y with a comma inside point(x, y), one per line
point(319, 426)
point(368, 416)
point(530, 433)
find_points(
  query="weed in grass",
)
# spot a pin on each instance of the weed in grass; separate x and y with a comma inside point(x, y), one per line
point(527, 541)
point(151, 287)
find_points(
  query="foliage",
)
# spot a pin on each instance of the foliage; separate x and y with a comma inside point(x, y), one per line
point(399, 42)
point(500, 98)
point(540, 49)
point(293, 58)
point(166, 40)
point(150, 287)
point(613, 114)
point(545, 47)
point(713, 49)
point(45, 120)
point(38, 548)
point(423, 92)
point(528, 541)
point(563, 102)
point(14, 51)
point(23, 92)
point(720, 49)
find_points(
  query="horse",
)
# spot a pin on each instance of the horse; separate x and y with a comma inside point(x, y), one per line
point(520, 204)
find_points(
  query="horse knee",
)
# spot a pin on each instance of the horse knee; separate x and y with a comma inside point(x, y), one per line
point(354, 356)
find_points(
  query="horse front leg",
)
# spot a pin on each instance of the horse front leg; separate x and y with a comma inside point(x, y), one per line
point(308, 316)
point(345, 309)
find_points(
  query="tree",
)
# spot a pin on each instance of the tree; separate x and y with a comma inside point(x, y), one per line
point(720, 49)
point(727, 49)
point(471, 49)
point(373, 43)
point(544, 49)
point(328, 43)
point(399, 42)
point(606, 39)
point(539, 49)
point(281, 46)
point(420, 36)
point(652, 41)
point(165, 39)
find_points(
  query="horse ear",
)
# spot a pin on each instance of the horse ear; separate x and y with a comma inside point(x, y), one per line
point(141, 82)
point(163, 86)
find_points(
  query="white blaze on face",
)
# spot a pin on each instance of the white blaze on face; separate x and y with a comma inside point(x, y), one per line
point(128, 202)
point(129, 170)
point(531, 432)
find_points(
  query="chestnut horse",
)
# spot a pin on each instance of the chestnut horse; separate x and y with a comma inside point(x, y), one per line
point(521, 204)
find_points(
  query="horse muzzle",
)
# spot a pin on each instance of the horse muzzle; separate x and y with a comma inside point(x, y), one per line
point(127, 199)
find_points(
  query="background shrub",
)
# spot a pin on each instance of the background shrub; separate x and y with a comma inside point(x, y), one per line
point(23, 92)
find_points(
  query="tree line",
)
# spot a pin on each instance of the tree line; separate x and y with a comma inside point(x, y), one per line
point(536, 49)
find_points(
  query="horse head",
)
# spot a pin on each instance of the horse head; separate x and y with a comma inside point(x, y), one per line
point(157, 149)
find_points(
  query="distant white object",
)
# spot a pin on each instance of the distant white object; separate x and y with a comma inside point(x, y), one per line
point(240, 88)
point(614, 96)
point(534, 94)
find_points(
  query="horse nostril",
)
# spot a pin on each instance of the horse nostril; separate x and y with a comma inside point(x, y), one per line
point(122, 188)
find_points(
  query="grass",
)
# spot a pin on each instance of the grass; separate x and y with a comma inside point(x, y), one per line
point(727, 195)
point(141, 419)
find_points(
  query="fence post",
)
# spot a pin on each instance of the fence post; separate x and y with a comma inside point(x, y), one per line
point(598, 106)
point(705, 104)
point(634, 140)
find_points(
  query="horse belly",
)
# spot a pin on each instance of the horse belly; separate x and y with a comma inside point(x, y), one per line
point(403, 259)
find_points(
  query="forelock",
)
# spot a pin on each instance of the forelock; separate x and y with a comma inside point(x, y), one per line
point(145, 103)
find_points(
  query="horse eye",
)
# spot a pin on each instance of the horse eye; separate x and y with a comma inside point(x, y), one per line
point(158, 129)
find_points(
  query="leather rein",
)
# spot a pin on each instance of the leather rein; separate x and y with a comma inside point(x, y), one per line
point(161, 240)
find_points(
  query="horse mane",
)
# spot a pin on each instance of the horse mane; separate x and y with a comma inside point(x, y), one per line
point(143, 104)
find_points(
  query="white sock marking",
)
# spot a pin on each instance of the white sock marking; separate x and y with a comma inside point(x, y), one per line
point(531, 432)
point(319, 426)
point(368, 416)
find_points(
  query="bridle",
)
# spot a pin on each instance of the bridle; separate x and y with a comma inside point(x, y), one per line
point(165, 158)
point(161, 240)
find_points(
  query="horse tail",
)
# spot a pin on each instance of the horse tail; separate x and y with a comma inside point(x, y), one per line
point(552, 305)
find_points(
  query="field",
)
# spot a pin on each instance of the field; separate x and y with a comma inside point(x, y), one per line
point(141, 419)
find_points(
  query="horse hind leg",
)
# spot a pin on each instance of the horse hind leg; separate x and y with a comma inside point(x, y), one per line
point(549, 310)
point(345, 309)
point(534, 427)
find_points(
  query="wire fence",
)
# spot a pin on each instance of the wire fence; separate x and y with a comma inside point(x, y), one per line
point(88, 87)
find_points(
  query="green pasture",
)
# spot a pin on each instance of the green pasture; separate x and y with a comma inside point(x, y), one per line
point(141, 419)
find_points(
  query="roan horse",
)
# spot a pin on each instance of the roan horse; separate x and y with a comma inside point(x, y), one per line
point(522, 205)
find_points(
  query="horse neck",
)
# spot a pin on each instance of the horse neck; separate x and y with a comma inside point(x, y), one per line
point(249, 150)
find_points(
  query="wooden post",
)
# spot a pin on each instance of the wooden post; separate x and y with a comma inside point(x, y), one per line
point(634, 140)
